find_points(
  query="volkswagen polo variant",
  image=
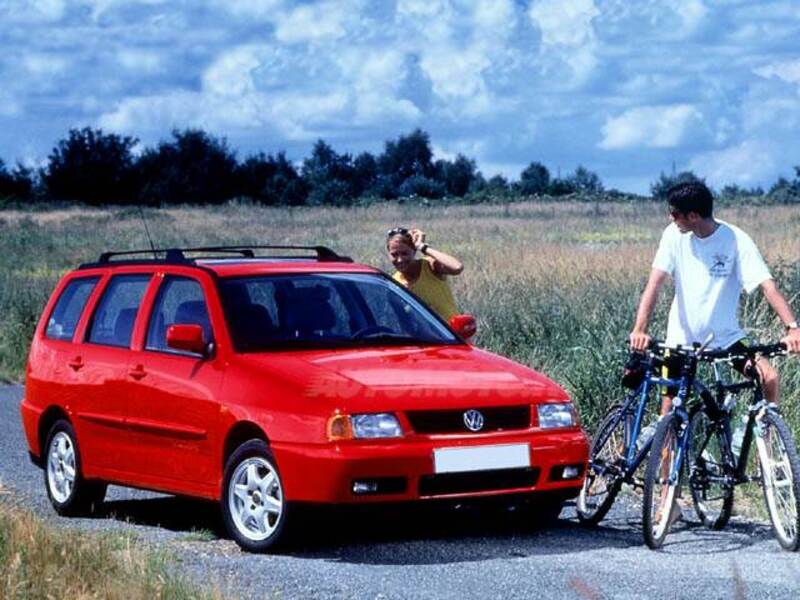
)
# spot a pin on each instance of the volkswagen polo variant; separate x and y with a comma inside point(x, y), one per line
point(261, 382)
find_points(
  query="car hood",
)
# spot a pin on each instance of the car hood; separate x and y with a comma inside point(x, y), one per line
point(373, 379)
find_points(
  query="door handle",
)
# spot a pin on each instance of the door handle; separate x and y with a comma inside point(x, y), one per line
point(76, 364)
point(138, 372)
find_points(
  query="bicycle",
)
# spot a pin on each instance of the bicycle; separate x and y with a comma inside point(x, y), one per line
point(617, 449)
point(694, 442)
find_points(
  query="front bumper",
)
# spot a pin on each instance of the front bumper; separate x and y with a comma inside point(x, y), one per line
point(403, 469)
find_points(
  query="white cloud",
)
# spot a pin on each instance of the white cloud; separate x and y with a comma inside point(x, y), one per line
point(692, 12)
point(749, 163)
point(44, 64)
point(231, 74)
point(564, 22)
point(32, 11)
point(261, 10)
point(494, 18)
point(567, 32)
point(649, 126)
point(788, 71)
point(140, 61)
point(325, 21)
point(377, 79)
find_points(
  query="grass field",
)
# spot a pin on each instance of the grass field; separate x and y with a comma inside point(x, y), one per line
point(554, 285)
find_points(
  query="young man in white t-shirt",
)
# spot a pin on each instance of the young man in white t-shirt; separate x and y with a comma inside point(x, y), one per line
point(710, 262)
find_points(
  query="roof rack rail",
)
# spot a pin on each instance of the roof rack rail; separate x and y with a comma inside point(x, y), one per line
point(178, 255)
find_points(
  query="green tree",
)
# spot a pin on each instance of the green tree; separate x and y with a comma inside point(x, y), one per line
point(16, 184)
point(409, 155)
point(457, 176)
point(584, 180)
point(194, 167)
point(92, 167)
point(660, 187)
point(271, 180)
point(330, 176)
point(534, 179)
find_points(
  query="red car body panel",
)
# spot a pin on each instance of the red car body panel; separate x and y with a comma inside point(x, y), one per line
point(160, 421)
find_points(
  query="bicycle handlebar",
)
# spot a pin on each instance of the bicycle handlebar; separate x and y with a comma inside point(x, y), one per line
point(776, 349)
point(660, 347)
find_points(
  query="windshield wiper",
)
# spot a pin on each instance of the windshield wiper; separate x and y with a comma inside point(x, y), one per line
point(383, 336)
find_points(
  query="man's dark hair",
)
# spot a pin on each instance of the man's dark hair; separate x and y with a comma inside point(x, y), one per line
point(691, 196)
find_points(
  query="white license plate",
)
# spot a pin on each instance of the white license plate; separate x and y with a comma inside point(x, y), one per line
point(481, 458)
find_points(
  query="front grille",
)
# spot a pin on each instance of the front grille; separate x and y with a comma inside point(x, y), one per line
point(477, 481)
point(496, 418)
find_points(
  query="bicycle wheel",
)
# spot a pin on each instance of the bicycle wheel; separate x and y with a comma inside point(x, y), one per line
point(658, 501)
point(710, 460)
point(604, 478)
point(780, 474)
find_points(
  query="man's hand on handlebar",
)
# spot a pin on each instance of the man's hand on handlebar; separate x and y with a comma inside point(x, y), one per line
point(639, 341)
point(792, 340)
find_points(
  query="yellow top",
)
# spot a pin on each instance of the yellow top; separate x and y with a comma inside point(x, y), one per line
point(433, 291)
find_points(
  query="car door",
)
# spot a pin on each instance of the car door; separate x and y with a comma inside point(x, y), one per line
point(100, 362)
point(173, 413)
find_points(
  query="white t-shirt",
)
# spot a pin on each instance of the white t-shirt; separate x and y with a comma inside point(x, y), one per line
point(709, 274)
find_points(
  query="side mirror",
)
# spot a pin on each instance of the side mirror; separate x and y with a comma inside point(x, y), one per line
point(464, 325)
point(187, 338)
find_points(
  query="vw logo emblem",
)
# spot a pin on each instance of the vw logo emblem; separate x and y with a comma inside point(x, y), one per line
point(473, 419)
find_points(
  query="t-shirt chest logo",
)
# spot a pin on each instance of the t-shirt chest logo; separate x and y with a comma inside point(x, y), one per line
point(720, 265)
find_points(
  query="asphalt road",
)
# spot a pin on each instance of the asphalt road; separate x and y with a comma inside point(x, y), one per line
point(447, 552)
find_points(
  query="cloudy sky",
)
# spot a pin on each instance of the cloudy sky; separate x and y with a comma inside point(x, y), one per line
point(627, 88)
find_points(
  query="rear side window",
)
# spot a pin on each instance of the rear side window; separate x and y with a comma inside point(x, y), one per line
point(112, 323)
point(67, 312)
point(180, 301)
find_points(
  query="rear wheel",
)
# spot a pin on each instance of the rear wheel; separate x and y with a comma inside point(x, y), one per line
point(254, 507)
point(710, 472)
point(780, 473)
point(606, 463)
point(661, 482)
point(69, 493)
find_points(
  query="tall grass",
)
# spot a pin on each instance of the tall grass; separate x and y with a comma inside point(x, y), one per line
point(39, 561)
point(554, 285)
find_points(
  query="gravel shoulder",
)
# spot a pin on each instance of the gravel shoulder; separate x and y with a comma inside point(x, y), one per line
point(409, 552)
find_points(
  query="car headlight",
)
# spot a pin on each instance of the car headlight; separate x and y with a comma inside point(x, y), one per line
point(552, 416)
point(365, 426)
point(380, 425)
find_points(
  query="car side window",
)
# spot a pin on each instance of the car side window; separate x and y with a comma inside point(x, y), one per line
point(113, 319)
point(67, 312)
point(180, 301)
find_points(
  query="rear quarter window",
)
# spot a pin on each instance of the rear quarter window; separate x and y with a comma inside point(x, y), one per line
point(67, 312)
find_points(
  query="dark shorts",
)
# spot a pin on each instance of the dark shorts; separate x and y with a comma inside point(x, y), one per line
point(672, 366)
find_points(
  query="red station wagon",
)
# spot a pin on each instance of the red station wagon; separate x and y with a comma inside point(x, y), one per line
point(263, 381)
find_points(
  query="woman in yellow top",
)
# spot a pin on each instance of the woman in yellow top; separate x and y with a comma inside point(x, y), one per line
point(426, 276)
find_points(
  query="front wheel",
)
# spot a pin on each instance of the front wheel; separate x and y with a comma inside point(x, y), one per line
point(606, 463)
point(780, 473)
point(661, 482)
point(710, 471)
point(254, 507)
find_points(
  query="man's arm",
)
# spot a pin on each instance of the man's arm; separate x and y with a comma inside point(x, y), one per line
point(784, 312)
point(638, 338)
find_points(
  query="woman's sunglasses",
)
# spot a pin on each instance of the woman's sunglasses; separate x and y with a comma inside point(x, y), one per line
point(396, 231)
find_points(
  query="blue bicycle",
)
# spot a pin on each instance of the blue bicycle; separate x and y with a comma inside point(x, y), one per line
point(621, 442)
point(694, 443)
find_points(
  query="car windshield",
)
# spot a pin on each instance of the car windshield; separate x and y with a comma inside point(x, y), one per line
point(322, 310)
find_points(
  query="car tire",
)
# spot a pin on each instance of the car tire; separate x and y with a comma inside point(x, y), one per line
point(68, 491)
point(254, 506)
